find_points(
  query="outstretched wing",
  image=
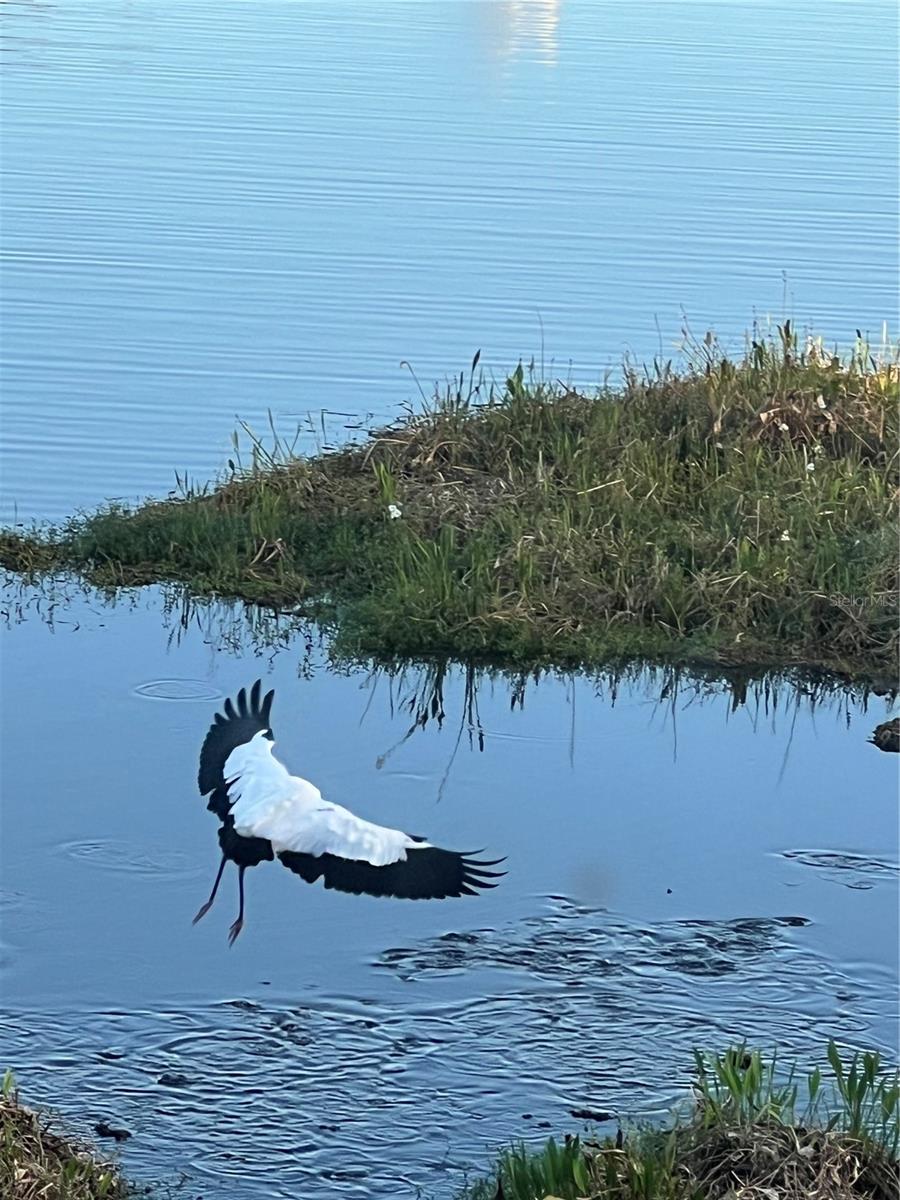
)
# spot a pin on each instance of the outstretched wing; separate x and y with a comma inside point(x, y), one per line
point(426, 873)
point(312, 837)
point(236, 726)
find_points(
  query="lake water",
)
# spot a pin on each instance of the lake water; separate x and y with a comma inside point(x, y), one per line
point(211, 211)
point(684, 869)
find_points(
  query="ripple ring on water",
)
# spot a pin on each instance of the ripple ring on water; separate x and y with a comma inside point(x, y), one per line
point(177, 689)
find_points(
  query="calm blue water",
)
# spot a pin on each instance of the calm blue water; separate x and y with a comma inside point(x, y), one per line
point(682, 871)
point(213, 210)
point(217, 211)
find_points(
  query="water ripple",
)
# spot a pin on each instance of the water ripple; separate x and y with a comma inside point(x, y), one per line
point(177, 689)
point(573, 1009)
point(857, 871)
point(111, 855)
point(268, 221)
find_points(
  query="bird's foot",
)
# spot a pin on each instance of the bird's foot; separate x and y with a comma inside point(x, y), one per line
point(235, 930)
point(202, 912)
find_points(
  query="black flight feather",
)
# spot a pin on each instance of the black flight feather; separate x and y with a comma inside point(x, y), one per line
point(227, 732)
point(428, 873)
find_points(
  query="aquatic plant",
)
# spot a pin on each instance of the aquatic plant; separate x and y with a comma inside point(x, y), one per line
point(750, 1130)
point(714, 511)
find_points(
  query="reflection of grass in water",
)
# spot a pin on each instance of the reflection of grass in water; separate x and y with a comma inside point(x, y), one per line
point(750, 1132)
point(733, 511)
point(39, 1164)
point(424, 689)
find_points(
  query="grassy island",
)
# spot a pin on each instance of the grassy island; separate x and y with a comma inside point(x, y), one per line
point(722, 511)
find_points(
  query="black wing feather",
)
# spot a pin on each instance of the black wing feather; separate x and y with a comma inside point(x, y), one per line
point(227, 732)
point(425, 874)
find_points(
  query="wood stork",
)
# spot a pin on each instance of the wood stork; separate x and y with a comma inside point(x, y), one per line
point(267, 813)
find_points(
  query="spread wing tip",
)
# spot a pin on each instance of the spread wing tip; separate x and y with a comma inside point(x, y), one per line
point(476, 876)
point(429, 873)
point(237, 723)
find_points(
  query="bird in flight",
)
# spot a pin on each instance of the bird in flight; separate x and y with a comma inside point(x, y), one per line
point(267, 813)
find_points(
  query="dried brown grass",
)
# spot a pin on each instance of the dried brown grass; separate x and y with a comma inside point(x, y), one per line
point(38, 1162)
point(778, 1162)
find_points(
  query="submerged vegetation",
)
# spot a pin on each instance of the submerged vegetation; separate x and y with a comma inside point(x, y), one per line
point(723, 512)
point(38, 1163)
point(749, 1132)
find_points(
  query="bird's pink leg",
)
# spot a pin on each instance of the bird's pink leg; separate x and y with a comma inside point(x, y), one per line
point(239, 923)
point(212, 895)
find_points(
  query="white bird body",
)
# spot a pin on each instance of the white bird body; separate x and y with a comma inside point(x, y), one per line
point(290, 812)
point(267, 813)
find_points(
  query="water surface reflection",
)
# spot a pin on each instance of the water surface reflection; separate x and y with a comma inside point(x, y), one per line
point(690, 860)
point(242, 209)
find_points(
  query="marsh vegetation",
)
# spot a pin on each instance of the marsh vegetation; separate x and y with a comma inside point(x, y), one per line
point(751, 1130)
point(725, 511)
point(41, 1161)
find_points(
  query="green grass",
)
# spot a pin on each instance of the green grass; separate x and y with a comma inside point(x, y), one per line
point(37, 1163)
point(724, 511)
point(750, 1131)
